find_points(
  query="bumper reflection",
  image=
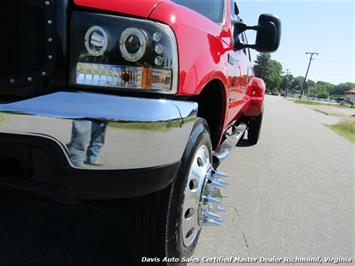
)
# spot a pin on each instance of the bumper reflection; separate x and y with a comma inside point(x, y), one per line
point(87, 140)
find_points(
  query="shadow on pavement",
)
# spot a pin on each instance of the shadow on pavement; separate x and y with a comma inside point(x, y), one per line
point(40, 233)
point(244, 144)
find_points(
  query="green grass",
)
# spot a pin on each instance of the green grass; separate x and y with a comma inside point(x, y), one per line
point(328, 113)
point(2, 119)
point(345, 129)
point(309, 102)
point(348, 105)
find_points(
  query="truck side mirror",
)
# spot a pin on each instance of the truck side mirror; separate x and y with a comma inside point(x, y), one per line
point(267, 37)
point(269, 34)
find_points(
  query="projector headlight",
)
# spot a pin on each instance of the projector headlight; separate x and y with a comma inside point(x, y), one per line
point(133, 44)
point(96, 41)
point(122, 53)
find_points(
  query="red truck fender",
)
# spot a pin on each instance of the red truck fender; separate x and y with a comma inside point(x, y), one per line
point(202, 54)
point(255, 93)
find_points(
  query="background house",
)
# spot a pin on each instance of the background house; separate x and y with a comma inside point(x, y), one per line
point(350, 94)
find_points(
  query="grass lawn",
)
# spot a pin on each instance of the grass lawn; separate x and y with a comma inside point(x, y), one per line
point(309, 102)
point(345, 129)
point(2, 119)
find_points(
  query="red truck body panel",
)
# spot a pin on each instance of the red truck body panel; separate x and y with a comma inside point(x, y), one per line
point(205, 53)
point(137, 8)
point(205, 50)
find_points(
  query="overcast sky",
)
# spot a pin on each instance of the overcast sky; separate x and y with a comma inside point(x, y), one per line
point(326, 27)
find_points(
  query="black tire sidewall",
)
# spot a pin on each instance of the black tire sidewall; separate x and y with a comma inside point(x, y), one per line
point(175, 246)
point(255, 128)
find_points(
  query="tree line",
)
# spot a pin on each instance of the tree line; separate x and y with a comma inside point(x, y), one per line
point(278, 82)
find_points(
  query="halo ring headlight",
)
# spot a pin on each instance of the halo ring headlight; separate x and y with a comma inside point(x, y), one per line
point(133, 44)
point(96, 41)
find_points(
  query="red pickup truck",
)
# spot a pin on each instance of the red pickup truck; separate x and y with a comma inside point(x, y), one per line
point(130, 102)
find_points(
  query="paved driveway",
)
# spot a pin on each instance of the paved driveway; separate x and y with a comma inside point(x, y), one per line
point(290, 195)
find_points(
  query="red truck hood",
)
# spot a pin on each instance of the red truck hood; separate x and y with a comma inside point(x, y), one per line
point(138, 8)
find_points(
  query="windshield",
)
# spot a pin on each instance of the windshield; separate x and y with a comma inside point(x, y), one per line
point(212, 9)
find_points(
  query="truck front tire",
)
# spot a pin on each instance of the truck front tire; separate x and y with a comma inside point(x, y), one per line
point(254, 128)
point(166, 224)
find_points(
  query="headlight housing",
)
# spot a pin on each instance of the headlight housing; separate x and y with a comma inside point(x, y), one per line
point(133, 44)
point(121, 53)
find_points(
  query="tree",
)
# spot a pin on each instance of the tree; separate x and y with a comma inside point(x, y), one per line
point(269, 70)
point(296, 84)
point(286, 82)
point(340, 89)
point(311, 86)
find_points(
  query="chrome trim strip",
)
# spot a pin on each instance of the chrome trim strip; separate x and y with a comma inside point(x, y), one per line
point(126, 132)
point(223, 23)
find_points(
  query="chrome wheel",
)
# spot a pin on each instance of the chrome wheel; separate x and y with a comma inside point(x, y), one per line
point(202, 196)
point(190, 220)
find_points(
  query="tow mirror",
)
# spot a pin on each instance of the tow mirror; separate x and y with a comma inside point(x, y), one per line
point(267, 37)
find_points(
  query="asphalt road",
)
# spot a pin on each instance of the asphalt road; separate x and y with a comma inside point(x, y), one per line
point(290, 195)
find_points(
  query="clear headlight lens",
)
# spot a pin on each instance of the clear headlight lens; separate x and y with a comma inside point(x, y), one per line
point(120, 52)
point(96, 41)
point(159, 49)
point(124, 77)
point(133, 44)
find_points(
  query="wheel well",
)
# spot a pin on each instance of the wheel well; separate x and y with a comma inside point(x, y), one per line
point(211, 107)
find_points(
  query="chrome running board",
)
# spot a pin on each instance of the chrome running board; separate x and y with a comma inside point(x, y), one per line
point(228, 144)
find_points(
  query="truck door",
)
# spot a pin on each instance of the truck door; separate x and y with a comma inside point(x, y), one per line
point(239, 69)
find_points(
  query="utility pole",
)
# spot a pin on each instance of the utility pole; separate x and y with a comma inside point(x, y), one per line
point(287, 73)
point(309, 65)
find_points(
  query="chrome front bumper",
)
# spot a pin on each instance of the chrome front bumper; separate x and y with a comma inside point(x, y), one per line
point(139, 132)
